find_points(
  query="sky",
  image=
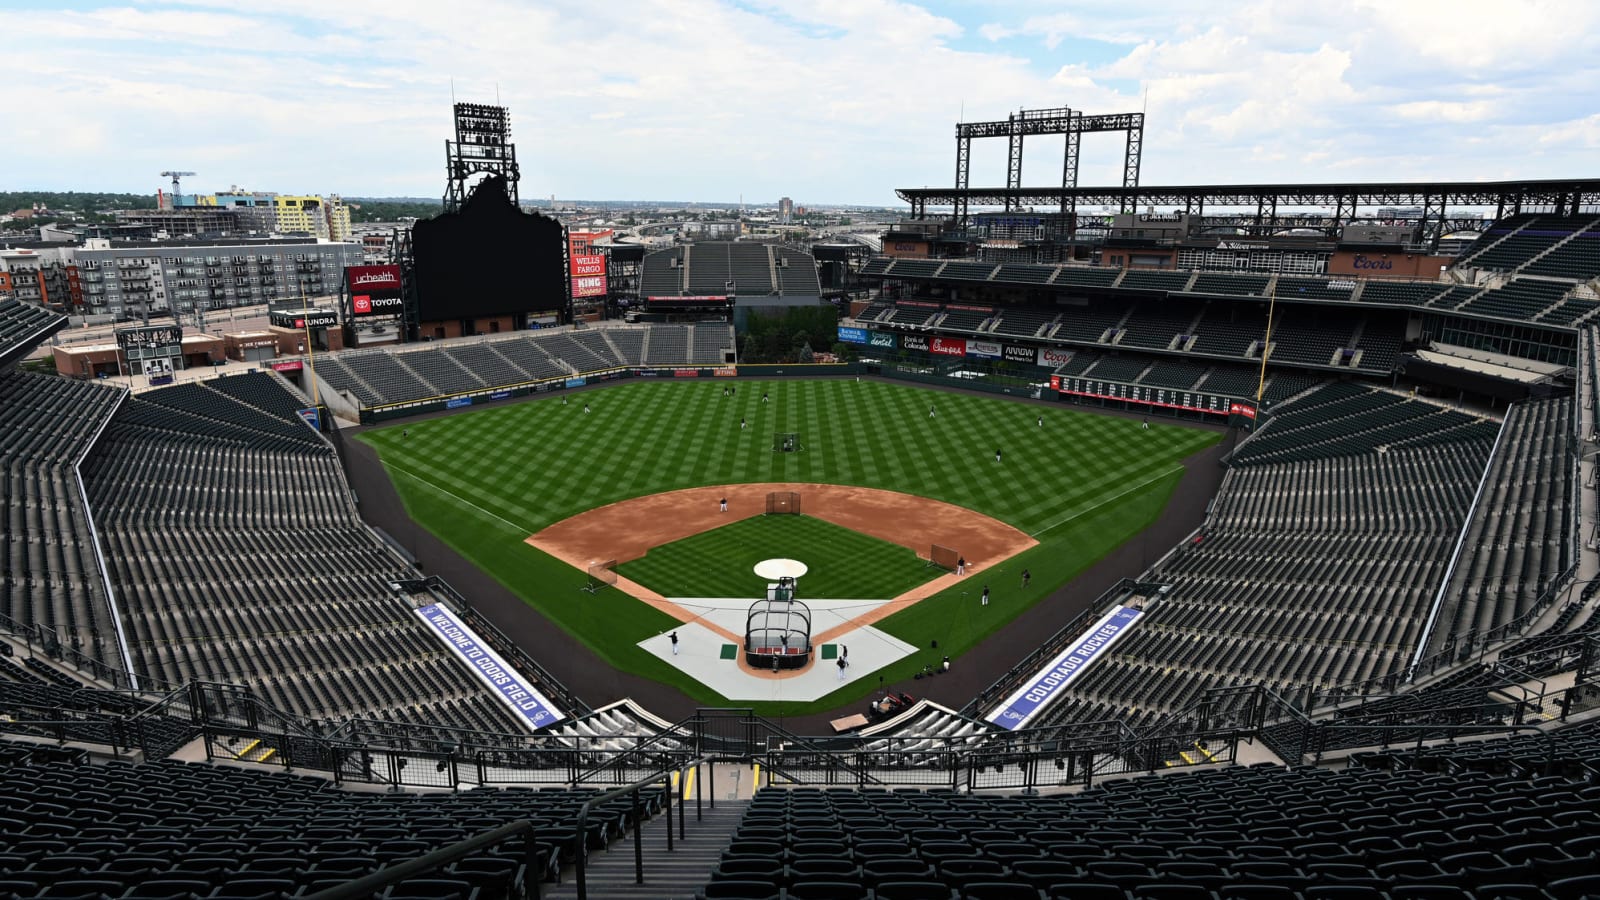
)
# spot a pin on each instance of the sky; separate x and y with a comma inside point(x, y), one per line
point(824, 101)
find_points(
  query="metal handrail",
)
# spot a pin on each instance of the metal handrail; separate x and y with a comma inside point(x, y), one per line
point(581, 852)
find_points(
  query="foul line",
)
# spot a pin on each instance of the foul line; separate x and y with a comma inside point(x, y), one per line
point(458, 498)
point(1102, 503)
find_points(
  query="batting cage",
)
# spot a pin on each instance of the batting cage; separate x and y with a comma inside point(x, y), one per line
point(601, 574)
point(943, 557)
point(777, 634)
point(786, 442)
point(783, 503)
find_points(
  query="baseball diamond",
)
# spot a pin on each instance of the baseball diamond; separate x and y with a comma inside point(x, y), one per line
point(511, 488)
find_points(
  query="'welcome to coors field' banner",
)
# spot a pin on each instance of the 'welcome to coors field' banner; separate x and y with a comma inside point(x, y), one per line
point(530, 706)
point(1020, 708)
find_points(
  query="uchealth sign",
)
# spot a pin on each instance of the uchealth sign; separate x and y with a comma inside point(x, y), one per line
point(983, 349)
point(1052, 357)
point(944, 346)
point(372, 279)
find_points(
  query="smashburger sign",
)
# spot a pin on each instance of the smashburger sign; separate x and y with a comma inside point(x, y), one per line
point(365, 305)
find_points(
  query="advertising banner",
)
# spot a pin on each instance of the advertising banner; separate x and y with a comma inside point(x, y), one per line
point(589, 286)
point(312, 417)
point(1054, 356)
point(368, 305)
point(499, 395)
point(914, 342)
point(1242, 409)
point(983, 349)
point(1029, 699)
point(852, 335)
point(725, 372)
point(288, 365)
point(685, 373)
point(578, 382)
point(506, 683)
point(316, 318)
point(944, 346)
point(457, 402)
point(881, 339)
point(1019, 353)
point(372, 279)
point(588, 265)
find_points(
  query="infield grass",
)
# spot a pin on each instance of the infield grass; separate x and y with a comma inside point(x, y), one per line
point(484, 481)
point(841, 564)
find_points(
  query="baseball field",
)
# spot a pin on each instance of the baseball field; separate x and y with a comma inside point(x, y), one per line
point(1069, 486)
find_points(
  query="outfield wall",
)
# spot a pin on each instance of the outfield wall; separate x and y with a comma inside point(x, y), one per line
point(376, 414)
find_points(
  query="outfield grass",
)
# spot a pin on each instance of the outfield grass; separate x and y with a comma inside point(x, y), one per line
point(841, 564)
point(485, 480)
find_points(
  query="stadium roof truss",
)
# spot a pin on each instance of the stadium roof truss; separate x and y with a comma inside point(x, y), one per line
point(1436, 199)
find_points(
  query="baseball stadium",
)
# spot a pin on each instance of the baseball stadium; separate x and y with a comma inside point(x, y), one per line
point(1117, 541)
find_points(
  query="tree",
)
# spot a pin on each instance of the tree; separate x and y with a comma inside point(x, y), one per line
point(806, 355)
point(752, 348)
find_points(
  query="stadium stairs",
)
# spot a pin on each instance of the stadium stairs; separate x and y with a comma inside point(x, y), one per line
point(611, 873)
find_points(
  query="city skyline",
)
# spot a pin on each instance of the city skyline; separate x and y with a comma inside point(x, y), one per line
point(827, 102)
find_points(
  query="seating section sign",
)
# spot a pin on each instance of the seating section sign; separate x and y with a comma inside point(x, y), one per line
point(1020, 708)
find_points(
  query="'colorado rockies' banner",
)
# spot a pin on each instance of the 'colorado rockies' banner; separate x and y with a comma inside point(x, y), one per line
point(529, 705)
point(1020, 708)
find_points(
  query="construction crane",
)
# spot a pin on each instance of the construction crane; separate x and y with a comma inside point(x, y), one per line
point(175, 175)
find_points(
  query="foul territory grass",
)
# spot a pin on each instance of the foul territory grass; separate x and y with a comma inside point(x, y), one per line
point(484, 481)
point(841, 564)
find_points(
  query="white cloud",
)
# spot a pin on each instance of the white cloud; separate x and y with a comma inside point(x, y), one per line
point(837, 100)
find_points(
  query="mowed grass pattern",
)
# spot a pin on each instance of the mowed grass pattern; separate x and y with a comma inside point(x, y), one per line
point(484, 480)
point(532, 464)
point(841, 564)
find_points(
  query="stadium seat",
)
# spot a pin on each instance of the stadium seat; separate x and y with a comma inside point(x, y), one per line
point(740, 890)
point(913, 890)
point(999, 890)
point(808, 889)
point(1074, 890)
point(168, 889)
